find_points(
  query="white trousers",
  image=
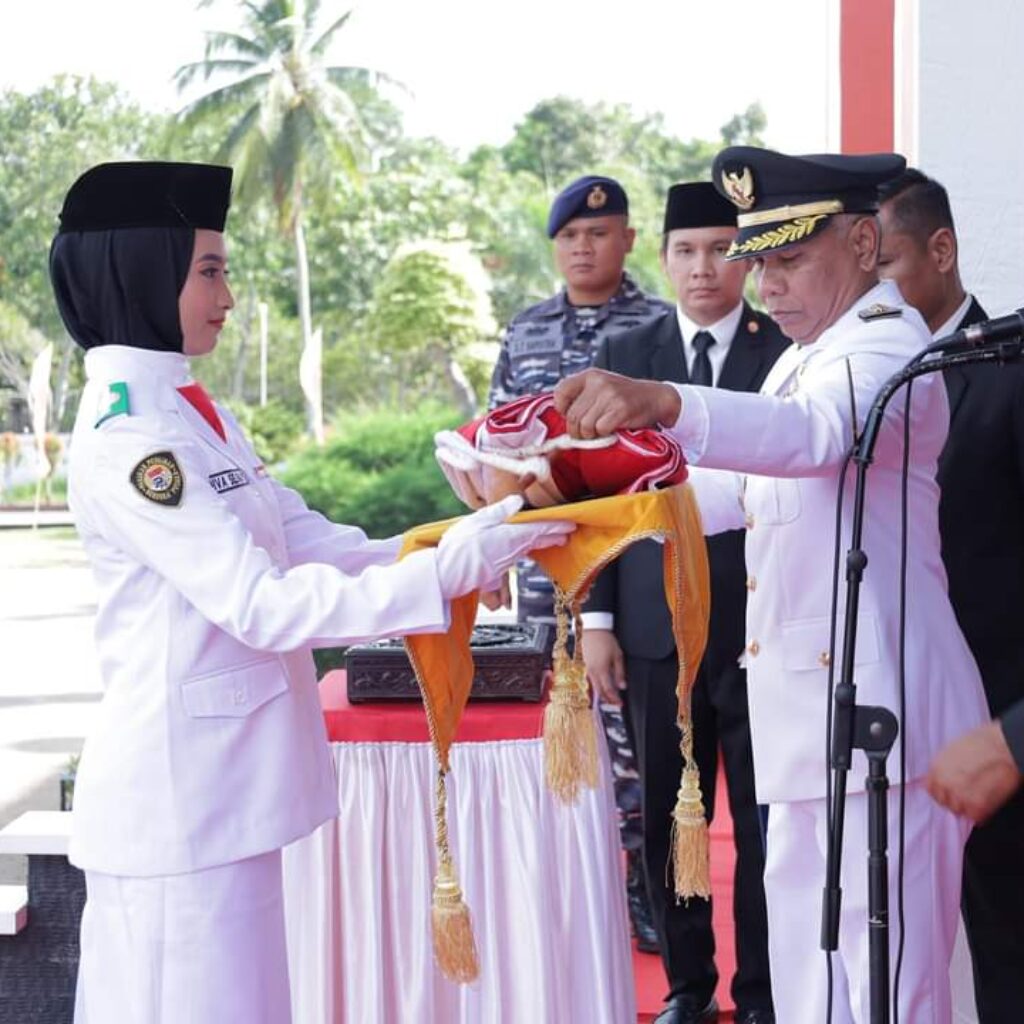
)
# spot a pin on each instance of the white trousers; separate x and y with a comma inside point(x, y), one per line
point(201, 948)
point(794, 878)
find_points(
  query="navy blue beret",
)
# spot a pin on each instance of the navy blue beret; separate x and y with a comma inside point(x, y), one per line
point(590, 196)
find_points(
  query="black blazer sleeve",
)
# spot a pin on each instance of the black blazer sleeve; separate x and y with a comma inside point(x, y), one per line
point(1013, 729)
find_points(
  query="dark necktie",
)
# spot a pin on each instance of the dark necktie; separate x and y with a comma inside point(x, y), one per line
point(700, 372)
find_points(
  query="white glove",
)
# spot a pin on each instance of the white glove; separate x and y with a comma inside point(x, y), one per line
point(478, 550)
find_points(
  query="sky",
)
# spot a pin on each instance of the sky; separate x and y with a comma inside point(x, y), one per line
point(473, 68)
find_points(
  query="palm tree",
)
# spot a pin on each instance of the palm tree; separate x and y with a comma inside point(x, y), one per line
point(297, 119)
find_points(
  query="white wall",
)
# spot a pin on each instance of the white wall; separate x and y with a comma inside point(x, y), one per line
point(965, 127)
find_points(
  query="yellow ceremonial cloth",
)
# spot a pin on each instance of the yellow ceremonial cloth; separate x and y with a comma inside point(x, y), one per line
point(605, 527)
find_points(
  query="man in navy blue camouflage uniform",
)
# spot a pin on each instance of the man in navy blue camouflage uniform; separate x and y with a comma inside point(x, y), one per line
point(589, 226)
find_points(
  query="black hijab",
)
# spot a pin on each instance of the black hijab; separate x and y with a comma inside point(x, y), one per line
point(122, 254)
point(121, 286)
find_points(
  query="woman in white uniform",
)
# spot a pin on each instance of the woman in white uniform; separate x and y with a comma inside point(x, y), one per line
point(209, 753)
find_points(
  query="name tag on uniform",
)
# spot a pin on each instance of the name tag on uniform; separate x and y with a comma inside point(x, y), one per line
point(228, 480)
point(543, 344)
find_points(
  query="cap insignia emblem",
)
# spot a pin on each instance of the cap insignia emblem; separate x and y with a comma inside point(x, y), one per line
point(739, 187)
point(596, 198)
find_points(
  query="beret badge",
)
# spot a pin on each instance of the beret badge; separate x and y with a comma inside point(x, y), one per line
point(596, 198)
point(739, 187)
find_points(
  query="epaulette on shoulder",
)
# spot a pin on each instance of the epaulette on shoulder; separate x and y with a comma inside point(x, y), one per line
point(114, 403)
point(879, 311)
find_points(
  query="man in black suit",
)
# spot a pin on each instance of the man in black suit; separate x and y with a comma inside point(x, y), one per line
point(712, 337)
point(981, 519)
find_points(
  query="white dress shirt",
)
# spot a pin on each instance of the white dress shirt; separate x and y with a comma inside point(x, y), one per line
point(954, 321)
point(722, 331)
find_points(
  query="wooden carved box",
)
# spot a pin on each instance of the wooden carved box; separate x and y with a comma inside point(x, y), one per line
point(509, 663)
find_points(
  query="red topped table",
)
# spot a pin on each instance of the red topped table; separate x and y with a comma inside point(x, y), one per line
point(543, 881)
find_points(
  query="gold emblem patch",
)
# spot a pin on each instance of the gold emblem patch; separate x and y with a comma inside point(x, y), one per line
point(596, 198)
point(158, 477)
point(879, 311)
point(739, 187)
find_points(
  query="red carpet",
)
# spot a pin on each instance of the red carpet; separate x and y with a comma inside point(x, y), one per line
point(651, 985)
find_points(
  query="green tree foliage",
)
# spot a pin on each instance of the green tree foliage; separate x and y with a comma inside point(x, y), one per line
point(49, 138)
point(320, 151)
point(745, 129)
point(298, 124)
point(20, 343)
point(274, 430)
point(378, 471)
point(562, 138)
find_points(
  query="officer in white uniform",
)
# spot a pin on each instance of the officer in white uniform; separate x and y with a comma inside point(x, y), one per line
point(808, 223)
point(210, 751)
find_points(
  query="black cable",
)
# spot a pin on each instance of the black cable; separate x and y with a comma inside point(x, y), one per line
point(901, 850)
point(834, 614)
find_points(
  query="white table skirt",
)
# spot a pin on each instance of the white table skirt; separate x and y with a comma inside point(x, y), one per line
point(544, 884)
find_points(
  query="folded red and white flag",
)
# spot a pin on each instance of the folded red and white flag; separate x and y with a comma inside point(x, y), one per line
point(528, 437)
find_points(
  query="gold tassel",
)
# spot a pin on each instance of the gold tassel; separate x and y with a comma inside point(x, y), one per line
point(570, 735)
point(451, 925)
point(690, 854)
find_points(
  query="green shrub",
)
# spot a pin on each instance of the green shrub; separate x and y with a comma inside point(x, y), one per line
point(378, 471)
point(274, 429)
point(25, 494)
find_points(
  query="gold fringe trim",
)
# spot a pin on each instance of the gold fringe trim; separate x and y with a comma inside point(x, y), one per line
point(570, 733)
point(451, 924)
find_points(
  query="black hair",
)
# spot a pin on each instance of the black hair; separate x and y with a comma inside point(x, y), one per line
point(919, 205)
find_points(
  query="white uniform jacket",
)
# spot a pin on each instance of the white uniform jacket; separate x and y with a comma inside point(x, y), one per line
point(787, 444)
point(210, 745)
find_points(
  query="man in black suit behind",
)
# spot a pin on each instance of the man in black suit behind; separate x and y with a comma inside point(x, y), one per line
point(981, 519)
point(712, 337)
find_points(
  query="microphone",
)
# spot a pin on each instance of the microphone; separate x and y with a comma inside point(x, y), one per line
point(988, 332)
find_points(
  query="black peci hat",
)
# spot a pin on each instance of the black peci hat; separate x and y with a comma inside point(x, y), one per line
point(591, 196)
point(697, 204)
point(144, 194)
point(783, 200)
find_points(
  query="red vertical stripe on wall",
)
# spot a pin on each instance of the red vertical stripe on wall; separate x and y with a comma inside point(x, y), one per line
point(866, 69)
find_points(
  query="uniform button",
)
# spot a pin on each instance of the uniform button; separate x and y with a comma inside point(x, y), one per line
point(824, 659)
point(238, 696)
point(748, 521)
point(751, 583)
point(753, 648)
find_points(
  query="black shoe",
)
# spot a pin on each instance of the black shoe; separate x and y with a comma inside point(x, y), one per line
point(639, 906)
point(755, 1017)
point(680, 1011)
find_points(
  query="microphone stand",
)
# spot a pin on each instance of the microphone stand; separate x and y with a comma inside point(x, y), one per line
point(868, 728)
